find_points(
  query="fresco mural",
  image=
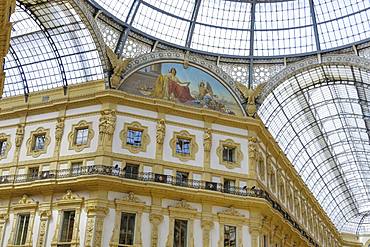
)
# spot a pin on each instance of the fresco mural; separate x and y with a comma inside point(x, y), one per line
point(190, 86)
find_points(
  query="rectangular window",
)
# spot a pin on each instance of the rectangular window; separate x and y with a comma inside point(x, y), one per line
point(39, 142)
point(3, 144)
point(33, 172)
point(134, 137)
point(180, 233)
point(182, 178)
point(68, 222)
point(229, 185)
point(229, 236)
point(127, 229)
point(183, 146)
point(228, 154)
point(22, 228)
point(76, 168)
point(131, 171)
point(265, 241)
point(82, 136)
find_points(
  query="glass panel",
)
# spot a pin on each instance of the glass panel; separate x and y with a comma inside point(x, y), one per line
point(22, 228)
point(3, 145)
point(228, 154)
point(182, 178)
point(127, 229)
point(229, 236)
point(183, 146)
point(134, 137)
point(180, 233)
point(131, 171)
point(67, 226)
point(82, 136)
point(39, 142)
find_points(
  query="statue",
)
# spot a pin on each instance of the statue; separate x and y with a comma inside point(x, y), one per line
point(250, 95)
point(161, 131)
point(119, 65)
point(107, 124)
point(19, 135)
point(207, 140)
point(59, 129)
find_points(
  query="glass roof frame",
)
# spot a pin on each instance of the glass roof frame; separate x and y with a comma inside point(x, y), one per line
point(51, 46)
point(329, 103)
point(316, 21)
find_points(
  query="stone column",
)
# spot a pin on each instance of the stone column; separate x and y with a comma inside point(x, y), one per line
point(207, 225)
point(94, 227)
point(3, 220)
point(44, 219)
point(7, 7)
point(155, 220)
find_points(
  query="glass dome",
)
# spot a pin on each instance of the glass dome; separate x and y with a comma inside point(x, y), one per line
point(245, 28)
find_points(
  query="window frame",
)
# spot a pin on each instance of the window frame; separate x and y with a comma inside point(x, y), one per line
point(186, 232)
point(193, 146)
point(73, 135)
point(31, 142)
point(120, 228)
point(145, 138)
point(236, 235)
point(229, 143)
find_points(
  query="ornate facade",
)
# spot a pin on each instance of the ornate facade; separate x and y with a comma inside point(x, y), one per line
point(94, 181)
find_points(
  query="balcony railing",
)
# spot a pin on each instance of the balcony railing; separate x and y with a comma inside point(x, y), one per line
point(156, 178)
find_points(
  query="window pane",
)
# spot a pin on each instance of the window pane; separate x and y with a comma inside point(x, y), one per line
point(22, 227)
point(39, 142)
point(182, 178)
point(183, 146)
point(81, 136)
point(228, 154)
point(180, 233)
point(230, 236)
point(127, 229)
point(131, 171)
point(67, 226)
point(134, 137)
point(2, 147)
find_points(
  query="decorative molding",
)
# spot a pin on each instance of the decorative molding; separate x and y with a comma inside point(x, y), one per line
point(155, 220)
point(107, 124)
point(231, 217)
point(252, 147)
point(238, 153)
point(69, 201)
point(183, 211)
point(6, 138)
point(59, 129)
point(72, 136)
point(31, 141)
point(184, 134)
point(145, 138)
point(161, 131)
point(44, 217)
point(179, 57)
point(129, 204)
point(4, 217)
point(24, 206)
point(19, 135)
point(207, 140)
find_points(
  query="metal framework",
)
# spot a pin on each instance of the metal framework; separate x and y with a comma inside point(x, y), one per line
point(319, 118)
point(249, 29)
point(51, 47)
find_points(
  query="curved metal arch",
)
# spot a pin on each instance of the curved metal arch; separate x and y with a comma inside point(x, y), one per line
point(50, 41)
point(310, 63)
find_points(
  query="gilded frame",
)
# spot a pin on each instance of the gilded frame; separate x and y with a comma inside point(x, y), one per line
point(31, 141)
point(145, 138)
point(238, 153)
point(72, 136)
point(184, 134)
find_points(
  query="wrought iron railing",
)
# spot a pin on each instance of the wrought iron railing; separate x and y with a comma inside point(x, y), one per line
point(156, 178)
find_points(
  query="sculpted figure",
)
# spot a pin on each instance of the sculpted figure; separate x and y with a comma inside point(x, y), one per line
point(119, 65)
point(250, 95)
